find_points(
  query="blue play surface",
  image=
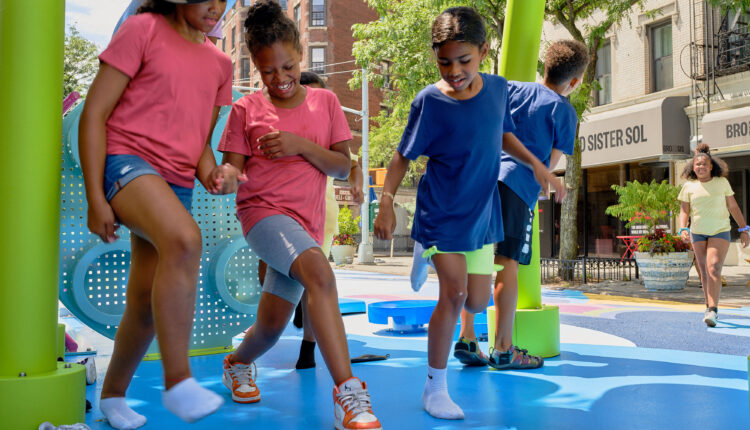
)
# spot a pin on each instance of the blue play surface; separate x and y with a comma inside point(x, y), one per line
point(622, 366)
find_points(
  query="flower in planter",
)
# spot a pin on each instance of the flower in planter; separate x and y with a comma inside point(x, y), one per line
point(343, 239)
point(659, 242)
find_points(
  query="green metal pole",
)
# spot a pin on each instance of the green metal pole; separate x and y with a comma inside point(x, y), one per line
point(536, 327)
point(30, 131)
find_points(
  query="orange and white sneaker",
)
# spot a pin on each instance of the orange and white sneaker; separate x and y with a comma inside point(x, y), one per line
point(351, 404)
point(238, 377)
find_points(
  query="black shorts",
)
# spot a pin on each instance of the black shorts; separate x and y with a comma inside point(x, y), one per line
point(518, 224)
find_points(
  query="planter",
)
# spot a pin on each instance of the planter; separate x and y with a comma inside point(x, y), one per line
point(343, 254)
point(664, 272)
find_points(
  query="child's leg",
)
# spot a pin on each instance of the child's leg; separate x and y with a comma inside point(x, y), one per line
point(273, 316)
point(134, 334)
point(313, 271)
point(506, 299)
point(151, 210)
point(451, 271)
point(306, 358)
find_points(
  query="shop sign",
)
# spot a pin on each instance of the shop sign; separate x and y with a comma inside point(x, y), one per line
point(637, 132)
point(727, 128)
point(344, 194)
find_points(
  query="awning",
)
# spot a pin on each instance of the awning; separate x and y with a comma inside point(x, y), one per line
point(727, 128)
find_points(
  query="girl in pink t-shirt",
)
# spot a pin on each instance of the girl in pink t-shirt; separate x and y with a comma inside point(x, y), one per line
point(287, 139)
point(144, 138)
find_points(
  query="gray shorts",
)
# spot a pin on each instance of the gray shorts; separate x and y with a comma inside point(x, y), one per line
point(279, 240)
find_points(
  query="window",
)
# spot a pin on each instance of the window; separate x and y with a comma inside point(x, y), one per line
point(661, 53)
point(234, 71)
point(224, 45)
point(245, 72)
point(296, 15)
point(318, 60)
point(317, 13)
point(283, 4)
point(233, 38)
point(604, 74)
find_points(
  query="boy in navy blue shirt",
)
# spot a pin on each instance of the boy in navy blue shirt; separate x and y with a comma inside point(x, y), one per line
point(546, 124)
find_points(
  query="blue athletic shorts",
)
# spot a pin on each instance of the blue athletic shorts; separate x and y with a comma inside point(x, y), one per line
point(120, 169)
point(279, 240)
point(517, 223)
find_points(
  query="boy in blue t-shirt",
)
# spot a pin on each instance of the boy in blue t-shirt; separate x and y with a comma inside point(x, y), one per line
point(546, 124)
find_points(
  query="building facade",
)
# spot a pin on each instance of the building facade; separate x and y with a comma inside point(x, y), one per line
point(673, 74)
point(326, 38)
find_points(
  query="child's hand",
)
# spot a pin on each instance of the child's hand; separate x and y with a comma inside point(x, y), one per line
point(278, 144)
point(385, 222)
point(225, 179)
point(102, 222)
point(547, 179)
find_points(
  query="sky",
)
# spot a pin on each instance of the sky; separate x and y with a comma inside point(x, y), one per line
point(95, 19)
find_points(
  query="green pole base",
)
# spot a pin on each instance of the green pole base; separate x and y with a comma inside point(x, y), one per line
point(537, 330)
point(58, 397)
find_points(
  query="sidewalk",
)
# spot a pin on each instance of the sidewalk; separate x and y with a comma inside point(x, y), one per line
point(734, 294)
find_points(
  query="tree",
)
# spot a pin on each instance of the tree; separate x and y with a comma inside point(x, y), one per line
point(587, 21)
point(396, 50)
point(81, 62)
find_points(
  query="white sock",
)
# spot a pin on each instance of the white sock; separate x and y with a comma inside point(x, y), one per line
point(189, 401)
point(119, 414)
point(437, 402)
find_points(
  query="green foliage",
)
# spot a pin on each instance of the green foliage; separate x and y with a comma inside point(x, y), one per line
point(397, 52)
point(731, 4)
point(80, 63)
point(645, 203)
point(347, 224)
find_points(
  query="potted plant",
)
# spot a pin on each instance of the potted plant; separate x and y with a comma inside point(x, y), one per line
point(343, 243)
point(663, 259)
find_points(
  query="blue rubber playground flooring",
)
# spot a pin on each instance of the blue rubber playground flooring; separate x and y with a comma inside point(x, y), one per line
point(623, 365)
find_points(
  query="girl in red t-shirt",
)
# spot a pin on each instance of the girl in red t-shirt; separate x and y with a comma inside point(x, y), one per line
point(144, 138)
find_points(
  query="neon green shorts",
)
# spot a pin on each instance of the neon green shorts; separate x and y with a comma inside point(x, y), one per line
point(478, 262)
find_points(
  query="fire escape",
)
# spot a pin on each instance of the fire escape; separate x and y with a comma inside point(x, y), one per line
point(719, 46)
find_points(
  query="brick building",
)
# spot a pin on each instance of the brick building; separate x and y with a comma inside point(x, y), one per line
point(326, 37)
point(674, 73)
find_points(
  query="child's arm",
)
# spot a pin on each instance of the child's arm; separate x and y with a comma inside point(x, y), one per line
point(222, 179)
point(101, 100)
point(554, 157)
point(385, 222)
point(355, 182)
point(334, 162)
point(516, 149)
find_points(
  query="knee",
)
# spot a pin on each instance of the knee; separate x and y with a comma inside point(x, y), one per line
point(714, 269)
point(475, 304)
point(321, 284)
point(183, 245)
point(454, 296)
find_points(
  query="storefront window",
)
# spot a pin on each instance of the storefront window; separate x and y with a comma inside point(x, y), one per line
point(739, 177)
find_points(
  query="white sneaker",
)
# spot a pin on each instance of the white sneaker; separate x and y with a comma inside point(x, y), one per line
point(352, 409)
point(90, 366)
point(710, 317)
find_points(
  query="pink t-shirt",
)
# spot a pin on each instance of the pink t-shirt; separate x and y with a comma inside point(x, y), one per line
point(164, 114)
point(290, 185)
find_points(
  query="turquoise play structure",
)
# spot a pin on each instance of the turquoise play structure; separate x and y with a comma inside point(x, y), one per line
point(93, 275)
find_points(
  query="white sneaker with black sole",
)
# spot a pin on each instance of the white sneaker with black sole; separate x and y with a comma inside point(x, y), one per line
point(710, 317)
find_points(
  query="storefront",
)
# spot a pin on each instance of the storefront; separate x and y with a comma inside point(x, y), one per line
point(636, 142)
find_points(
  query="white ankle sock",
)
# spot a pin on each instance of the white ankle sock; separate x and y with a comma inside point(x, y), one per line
point(189, 401)
point(119, 414)
point(437, 402)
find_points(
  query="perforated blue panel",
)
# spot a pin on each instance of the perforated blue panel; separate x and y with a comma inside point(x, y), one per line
point(93, 275)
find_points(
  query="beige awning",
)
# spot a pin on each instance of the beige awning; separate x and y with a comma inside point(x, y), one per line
point(727, 128)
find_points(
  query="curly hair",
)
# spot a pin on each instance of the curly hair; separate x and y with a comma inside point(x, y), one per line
point(266, 24)
point(160, 7)
point(310, 78)
point(565, 60)
point(460, 24)
point(718, 166)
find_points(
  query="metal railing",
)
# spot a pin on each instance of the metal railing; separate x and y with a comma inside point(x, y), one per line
point(587, 270)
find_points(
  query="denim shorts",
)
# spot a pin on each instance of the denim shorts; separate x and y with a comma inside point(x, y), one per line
point(120, 169)
point(695, 237)
point(279, 240)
